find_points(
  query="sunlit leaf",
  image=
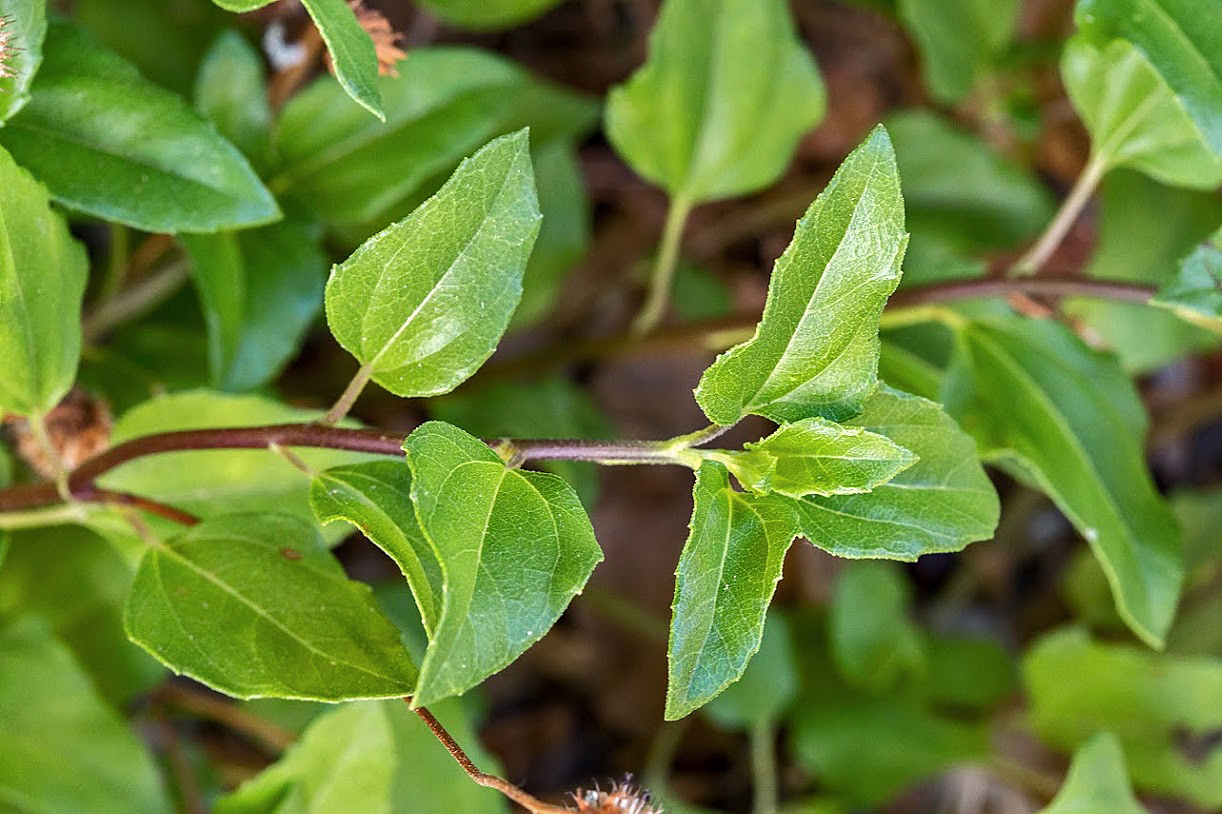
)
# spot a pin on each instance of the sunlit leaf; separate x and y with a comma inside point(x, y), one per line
point(25, 25)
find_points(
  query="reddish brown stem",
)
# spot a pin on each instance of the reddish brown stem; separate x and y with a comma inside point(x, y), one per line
point(95, 495)
point(528, 802)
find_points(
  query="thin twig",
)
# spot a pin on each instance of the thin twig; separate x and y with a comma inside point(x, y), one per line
point(222, 710)
point(135, 300)
point(528, 802)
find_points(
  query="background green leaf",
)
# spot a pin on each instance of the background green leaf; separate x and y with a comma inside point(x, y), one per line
point(767, 687)
point(874, 643)
point(718, 107)
point(25, 25)
point(958, 40)
point(492, 526)
point(1145, 229)
point(815, 351)
point(727, 574)
point(479, 15)
point(109, 143)
point(260, 290)
point(1067, 418)
point(42, 283)
point(80, 591)
point(255, 605)
point(423, 303)
point(1180, 38)
point(1097, 782)
point(376, 757)
point(941, 503)
point(231, 92)
point(1134, 117)
point(1160, 707)
point(47, 707)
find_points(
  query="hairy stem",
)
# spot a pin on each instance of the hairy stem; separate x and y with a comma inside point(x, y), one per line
point(528, 802)
point(1071, 207)
point(662, 279)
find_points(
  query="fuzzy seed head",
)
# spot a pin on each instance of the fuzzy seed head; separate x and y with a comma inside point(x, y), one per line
point(621, 798)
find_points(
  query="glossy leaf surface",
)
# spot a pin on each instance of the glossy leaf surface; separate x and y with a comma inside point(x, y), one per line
point(727, 573)
point(375, 757)
point(815, 456)
point(1097, 783)
point(42, 283)
point(815, 352)
point(25, 26)
point(255, 605)
point(376, 498)
point(260, 290)
point(423, 303)
point(47, 707)
point(719, 105)
point(1162, 709)
point(1134, 117)
point(514, 548)
point(109, 143)
point(941, 503)
point(1068, 419)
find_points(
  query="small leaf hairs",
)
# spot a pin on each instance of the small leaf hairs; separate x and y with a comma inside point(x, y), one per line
point(621, 798)
point(6, 33)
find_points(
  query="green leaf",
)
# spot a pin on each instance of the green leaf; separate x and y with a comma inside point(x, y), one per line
point(25, 26)
point(255, 605)
point(491, 527)
point(80, 591)
point(1162, 708)
point(216, 482)
point(966, 672)
point(958, 40)
point(1097, 783)
point(874, 644)
point(727, 573)
point(815, 352)
point(1068, 419)
point(1180, 38)
point(767, 687)
point(261, 290)
point(423, 303)
point(941, 503)
point(1134, 117)
point(1195, 292)
point(352, 52)
point(719, 106)
point(109, 143)
point(374, 757)
point(815, 456)
point(350, 169)
point(869, 748)
point(64, 749)
point(42, 283)
point(376, 498)
point(986, 203)
point(553, 407)
point(480, 15)
point(231, 92)
point(1145, 229)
